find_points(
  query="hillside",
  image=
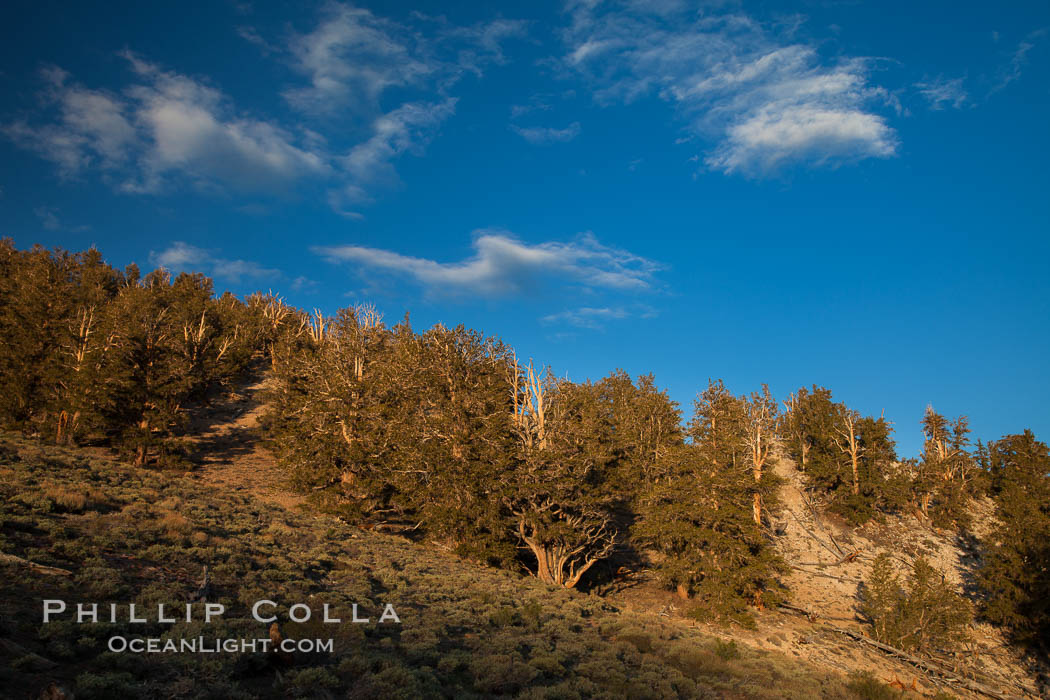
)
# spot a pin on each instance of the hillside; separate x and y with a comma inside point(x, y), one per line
point(98, 530)
point(814, 545)
point(826, 581)
point(78, 526)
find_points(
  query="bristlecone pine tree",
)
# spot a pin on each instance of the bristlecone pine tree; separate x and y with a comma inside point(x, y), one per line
point(466, 441)
point(847, 459)
point(91, 352)
point(946, 473)
point(557, 494)
point(1016, 572)
point(807, 426)
point(342, 411)
point(924, 614)
point(698, 513)
point(646, 425)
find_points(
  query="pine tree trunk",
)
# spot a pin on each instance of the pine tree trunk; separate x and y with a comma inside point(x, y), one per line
point(61, 424)
point(140, 450)
point(856, 475)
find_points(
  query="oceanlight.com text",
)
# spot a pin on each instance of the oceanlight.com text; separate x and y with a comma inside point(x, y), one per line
point(201, 645)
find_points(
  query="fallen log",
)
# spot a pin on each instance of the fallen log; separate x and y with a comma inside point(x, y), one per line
point(812, 536)
point(928, 666)
point(811, 616)
point(39, 568)
point(851, 557)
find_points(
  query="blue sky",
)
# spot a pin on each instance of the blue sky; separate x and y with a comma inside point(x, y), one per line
point(852, 194)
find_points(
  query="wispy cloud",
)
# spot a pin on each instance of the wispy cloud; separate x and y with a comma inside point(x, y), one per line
point(50, 220)
point(183, 257)
point(943, 92)
point(540, 102)
point(406, 129)
point(503, 265)
point(351, 57)
point(595, 318)
point(305, 284)
point(91, 128)
point(763, 98)
point(1019, 59)
point(543, 135)
point(476, 46)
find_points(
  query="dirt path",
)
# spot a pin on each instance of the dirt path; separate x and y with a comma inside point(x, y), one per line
point(227, 446)
point(812, 544)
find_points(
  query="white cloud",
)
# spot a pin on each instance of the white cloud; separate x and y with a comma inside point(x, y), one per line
point(941, 92)
point(541, 135)
point(771, 138)
point(407, 128)
point(351, 57)
point(166, 129)
point(91, 127)
point(765, 101)
point(304, 284)
point(191, 130)
point(252, 36)
point(164, 124)
point(502, 265)
point(183, 257)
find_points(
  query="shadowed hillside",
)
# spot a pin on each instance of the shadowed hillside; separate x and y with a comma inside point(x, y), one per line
point(79, 527)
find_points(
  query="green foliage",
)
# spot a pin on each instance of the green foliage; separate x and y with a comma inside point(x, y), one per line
point(93, 352)
point(924, 614)
point(864, 685)
point(106, 685)
point(946, 475)
point(1016, 571)
point(645, 425)
point(390, 426)
point(698, 513)
point(443, 433)
point(846, 458)
point(726, 650)
point(314, 681)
